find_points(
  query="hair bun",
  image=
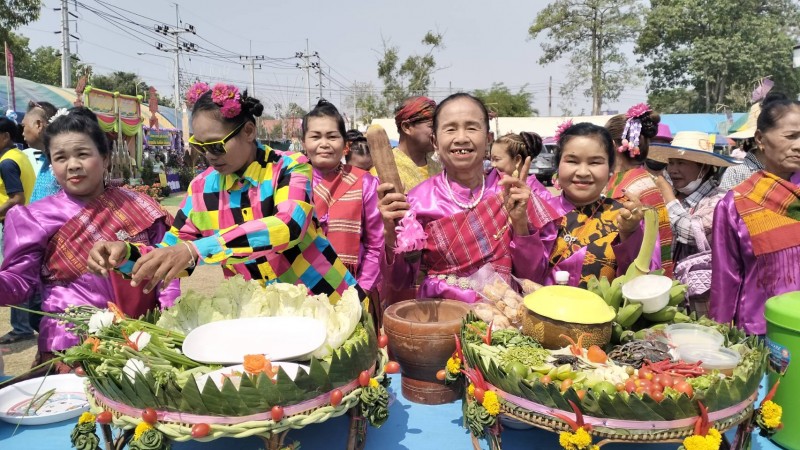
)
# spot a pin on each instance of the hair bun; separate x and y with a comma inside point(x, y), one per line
point(353, 135)
point(773, 97)
point(251, 105)
point(650, 123)
point(533, 143)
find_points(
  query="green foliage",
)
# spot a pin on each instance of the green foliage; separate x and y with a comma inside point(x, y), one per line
point(410, 78)
point(148, 176)
point(17, 13)
point(590, 33)
point(42, 65)
point(676, 101)
point(718, 49)
point(500, 100)
point(365, 104)
point(127, 83)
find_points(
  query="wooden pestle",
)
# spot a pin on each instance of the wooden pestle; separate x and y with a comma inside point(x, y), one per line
point(383, 157)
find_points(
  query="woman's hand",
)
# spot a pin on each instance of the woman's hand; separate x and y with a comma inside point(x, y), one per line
point(162, 264)
point(630, 217)
point(393, 206)
point(105, 256)
point(517, 194)
point(666, 189)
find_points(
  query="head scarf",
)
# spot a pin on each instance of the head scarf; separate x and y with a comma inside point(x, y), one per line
point(415, 109)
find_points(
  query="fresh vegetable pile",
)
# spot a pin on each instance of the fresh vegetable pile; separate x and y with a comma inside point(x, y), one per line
point(643, 383)
point(139, 362)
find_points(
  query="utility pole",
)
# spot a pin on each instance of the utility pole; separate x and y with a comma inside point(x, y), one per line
point(66, 57)
point(306, 57)
point(179, 47)
point(253, 60)
point(550, 98)
point(319, 73)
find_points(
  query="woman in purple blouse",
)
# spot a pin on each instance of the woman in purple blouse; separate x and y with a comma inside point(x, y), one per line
point(756, 243)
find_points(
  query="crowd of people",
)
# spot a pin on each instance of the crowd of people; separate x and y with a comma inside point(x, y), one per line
point(323, 218)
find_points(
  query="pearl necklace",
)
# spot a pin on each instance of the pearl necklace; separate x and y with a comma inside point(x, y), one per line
point(466, 205)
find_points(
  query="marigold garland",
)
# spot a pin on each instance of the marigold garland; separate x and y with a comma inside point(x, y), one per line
point(771, 414)
point(454, 365)
point(710, 441)
point(491, 403)
point(578, 440)
point(86, 417)
point(140, 429)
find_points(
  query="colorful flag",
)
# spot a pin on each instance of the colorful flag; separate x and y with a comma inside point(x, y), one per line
point(10, 73)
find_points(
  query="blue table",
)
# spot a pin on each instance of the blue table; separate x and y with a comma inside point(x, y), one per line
point(410, 427)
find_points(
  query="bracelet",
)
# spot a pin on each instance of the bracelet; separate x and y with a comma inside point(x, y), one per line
point(192, 262)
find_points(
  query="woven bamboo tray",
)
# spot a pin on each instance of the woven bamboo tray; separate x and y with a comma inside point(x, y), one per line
point(178, 426)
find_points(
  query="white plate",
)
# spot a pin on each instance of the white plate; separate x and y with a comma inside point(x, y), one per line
point(218, 376)
point(67, 401)
point(278, 338)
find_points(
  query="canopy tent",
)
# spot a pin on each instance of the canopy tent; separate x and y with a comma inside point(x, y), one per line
point(745, 126)
point(26, 90)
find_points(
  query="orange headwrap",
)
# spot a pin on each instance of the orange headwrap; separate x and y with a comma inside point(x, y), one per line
point(415, 109)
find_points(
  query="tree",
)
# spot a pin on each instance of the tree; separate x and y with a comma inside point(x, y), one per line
point(718, 50)
point(590, 32)
point(127, 83)
point(502, 102)
point(295, 110)
point(365, 104)
point(413, 76)
point(17, 13)
point(675, 101)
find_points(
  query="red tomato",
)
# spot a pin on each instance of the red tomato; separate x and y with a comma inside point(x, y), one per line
point(336, 397)
point(479, 393)
point(150, 416)
point(392, 367)
point(277, 413)
point(685, 388)
point(383, 340)
point(441, 375)
point(667, 380)
point(657, 396)
point(566, 384)
point(545, 379)
point(677, 379)
point(363, 378)
point(640, 390)
point(104, 418)
point(630, 386)
point(646, 373)
point(200, 430)
point(645, 384)
point(79, 371)
point(581, 394)
point(658, 378)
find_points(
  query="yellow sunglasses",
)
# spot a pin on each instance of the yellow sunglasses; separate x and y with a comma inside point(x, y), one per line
point(216, 148)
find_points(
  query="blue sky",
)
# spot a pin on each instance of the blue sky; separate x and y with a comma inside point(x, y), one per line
point(485, 42)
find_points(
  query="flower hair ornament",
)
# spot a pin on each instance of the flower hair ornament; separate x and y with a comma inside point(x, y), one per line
point(12, 116)
point(226, 96)
point(59, 113)
point(633, 129)
point(561, 128)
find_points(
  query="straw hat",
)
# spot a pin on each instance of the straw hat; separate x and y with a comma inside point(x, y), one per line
point(691, 146)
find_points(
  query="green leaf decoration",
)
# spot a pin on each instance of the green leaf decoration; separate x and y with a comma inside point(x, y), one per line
point(192, 398)
point(235, 399)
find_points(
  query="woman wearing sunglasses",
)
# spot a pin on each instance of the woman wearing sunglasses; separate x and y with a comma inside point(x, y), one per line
point(250, 211)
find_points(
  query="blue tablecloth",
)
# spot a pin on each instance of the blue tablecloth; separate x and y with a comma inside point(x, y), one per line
point(410, 427)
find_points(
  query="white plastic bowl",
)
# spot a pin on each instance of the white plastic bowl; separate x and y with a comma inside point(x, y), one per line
point(722, 359)
point(652, 291)
point(681, 335)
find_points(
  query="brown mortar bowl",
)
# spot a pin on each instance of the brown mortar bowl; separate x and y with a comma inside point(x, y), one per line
point(548, 331)
point(422, 338)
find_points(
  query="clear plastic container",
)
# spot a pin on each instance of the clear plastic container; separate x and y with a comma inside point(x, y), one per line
point(689, 334)
point(722, 359)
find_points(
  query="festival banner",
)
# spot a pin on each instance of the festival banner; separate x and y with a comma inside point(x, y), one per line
point(104, 105)
point(159, 138)
point(12, 101)
point(130, 114)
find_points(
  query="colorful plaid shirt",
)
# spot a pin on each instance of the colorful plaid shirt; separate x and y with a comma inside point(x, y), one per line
point(735, 175)
point(260, 225)
point(697, 206)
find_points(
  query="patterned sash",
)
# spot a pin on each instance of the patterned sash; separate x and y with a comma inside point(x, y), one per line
point(770, 209)
point(117, 214)
point(640, 181)
point(462, 243)
point(343, 221)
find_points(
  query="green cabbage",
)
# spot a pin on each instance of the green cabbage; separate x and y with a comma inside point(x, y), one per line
point(237, 298)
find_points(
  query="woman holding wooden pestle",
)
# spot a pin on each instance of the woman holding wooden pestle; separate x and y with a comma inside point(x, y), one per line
point(456, 222)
